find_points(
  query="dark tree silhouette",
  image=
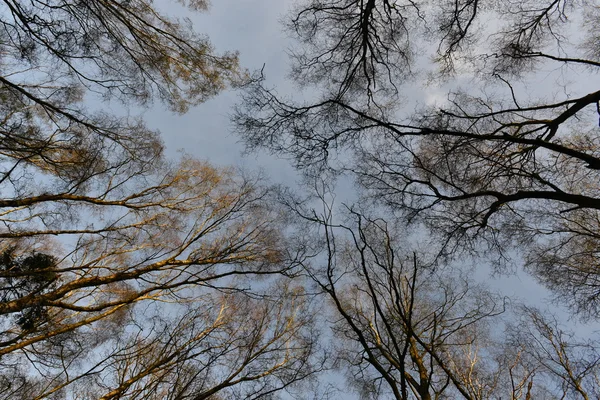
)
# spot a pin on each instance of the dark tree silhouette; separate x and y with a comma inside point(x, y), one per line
point(407, 329)
point(503, 165)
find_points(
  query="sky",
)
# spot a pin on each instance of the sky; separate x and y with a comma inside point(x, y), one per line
point(253, 28)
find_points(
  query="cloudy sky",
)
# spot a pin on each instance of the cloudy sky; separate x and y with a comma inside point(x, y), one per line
point(253, 28)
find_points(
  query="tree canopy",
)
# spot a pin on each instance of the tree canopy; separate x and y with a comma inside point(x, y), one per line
point(128, 275)
point(122, 273)
point(501, 167)
point(504, 163)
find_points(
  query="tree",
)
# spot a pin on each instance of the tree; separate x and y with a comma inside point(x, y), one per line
point(405, 328)
point(154, 293)
point(405, 332)
point(24, 277)
point(122, 274)
point(503, 165)
point(55, 53)
point(55, 152)
point(569, 364)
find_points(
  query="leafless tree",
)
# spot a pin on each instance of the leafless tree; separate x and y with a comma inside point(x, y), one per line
point(402, 330)
point(124, 275)
point(154, 298)
point(496, 166)
point(405, 329)
point(55, 53)
point(570, 365)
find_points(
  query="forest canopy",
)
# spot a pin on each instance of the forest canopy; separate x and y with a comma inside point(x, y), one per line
point(472, 127)
point(126, 274)
point(504, 162)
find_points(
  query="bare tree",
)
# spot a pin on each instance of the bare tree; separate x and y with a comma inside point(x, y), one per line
point(406, 329)
point(211, 347)
point(122, 274)
point(128, 305)
point(402, 330)
point(55, 53)
point(494, 167)
point(128, 49)
point(570, 365)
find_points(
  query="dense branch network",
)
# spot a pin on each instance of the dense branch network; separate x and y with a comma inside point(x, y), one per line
point(407, 330)
point(124, 275)
point(502, 165)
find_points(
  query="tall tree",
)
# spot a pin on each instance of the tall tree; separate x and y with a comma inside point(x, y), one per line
point(122, 274)
point(503, 164)
point(407, 329)
point(149, 293)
